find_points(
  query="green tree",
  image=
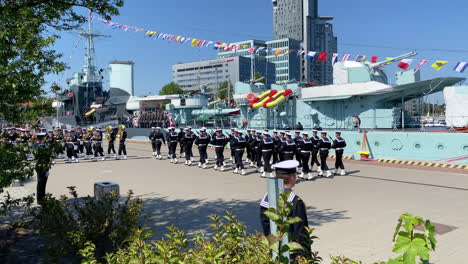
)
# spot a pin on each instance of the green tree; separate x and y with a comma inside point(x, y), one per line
point(258, 76)
point(28, 31)
point(171, 88)
point(224, 88)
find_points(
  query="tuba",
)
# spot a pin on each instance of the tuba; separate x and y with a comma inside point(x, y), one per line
point(120, 132)
point(108, 132)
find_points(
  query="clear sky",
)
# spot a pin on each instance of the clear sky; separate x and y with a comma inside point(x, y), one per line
point(434, 28)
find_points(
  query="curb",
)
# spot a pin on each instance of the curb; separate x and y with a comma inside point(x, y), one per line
point(424, 164)
point(347, 157)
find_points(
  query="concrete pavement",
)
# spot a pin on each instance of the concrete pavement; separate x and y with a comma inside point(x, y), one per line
point(354, 215)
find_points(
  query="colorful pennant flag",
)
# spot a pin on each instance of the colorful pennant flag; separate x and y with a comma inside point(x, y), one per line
point(278, 52)
point(439, 64)
point(198, 42)
point(374, 59)
point(172, 38)
point(252, 50)
point(461, 67)
point(420, 64)
point(194, 42)
point(322, 56)
point(217, 45)
point(311, 54)
point(300, 52)
point(209, 43)
point(405, 63)
point(346, 57)
point(334, 58)
point(361, 58)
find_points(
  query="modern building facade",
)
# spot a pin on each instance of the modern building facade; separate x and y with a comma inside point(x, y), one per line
point(212, 73)
point(299, 20)
point(279, 69)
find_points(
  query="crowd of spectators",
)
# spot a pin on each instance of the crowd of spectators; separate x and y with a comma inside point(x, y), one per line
point(145, 119)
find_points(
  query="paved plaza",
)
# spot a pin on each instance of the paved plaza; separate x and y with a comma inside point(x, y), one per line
point(354, 215)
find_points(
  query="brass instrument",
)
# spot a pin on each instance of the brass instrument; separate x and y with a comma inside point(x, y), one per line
point(120, 132)
point(108, 132)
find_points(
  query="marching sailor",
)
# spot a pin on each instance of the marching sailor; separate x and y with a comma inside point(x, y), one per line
point(249, 158)
point(288, 147)
point(267, 147)
point(111, 139)
point(280, 144)
point(306, 150)
point(172, 140)
point(287, 170)
point(276, 142)
point(181, 142)
point(219, 141)
point(231, 137)
point(324, 147)
point(298, 140)
point(122, 135)
point(187, 142)
point(258, 152)
point(157, 139)
point(339, 144)
point(42, 167)
point(86, 138)
point(252, 141)
point(202, 141)
point(315, 142)
point(98, 149)
point(152, 139)
point(239, 142)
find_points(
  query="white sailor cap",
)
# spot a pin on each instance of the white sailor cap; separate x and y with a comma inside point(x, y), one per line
point(297, 132)
point(305, 133)
point(265, 133)
point(233, 129)
point(189, 127)
point(338, 132)
point(40, 134)
point(219, 130)
point(266, 130)
point(203, 129)
point(282, 132)
point(286, 167)
point(171, 128)
point(153, 128)
point(259, 132)
point(315, 130)
point(288, 134)
point(323, 132)
point(253, 130)
point(275, 131)
point(240, 132)
point(248, 129)
point(158, 128)
point(186, 129)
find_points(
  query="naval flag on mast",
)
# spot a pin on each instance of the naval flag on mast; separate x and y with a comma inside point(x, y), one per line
point(405, 63)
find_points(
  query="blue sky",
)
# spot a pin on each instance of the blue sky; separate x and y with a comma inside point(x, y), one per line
point(436, 30)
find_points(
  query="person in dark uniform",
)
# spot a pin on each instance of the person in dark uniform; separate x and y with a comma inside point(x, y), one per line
point(282, 138)
point(239, 143)
point(247, 149)
point(86, 139)
point(315, 142)
point(97, 140)
point(111, 139)
point(252, 141)
point(258, 152)
point(339, 144)
point(287, 170)
point(324, 147)
point(288, 147)
point(42, 167)
point(80, 135)
point(267, 147)
point(187, 141)
point(69, 147)
point(160, 139)
point(172, 140)
point(181, 142)
point(76, 147)
point(306, 150)
point(231, 137)
point(202, 141)
point(276, 142)
point(122, 143)
point(298, 140)
point(153, 141)
point(219, 141)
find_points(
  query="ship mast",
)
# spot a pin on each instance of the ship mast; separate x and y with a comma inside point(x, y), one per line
point(90, 57)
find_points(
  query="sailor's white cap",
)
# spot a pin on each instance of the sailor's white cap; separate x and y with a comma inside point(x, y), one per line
point(248, 129)
point(219, 130)
point(305, 133)
point(315, 130)
point(265, 133)
point(203, 129)
point(40, 134)
point(339, 132)
point(288, 134)
point(259, 132)
point(282, 132)
point(297, 132)
point(286, 167)
point(253, 130)
point(189, 127)
point(275, 131)
point(233, 129)
point(186, 129)
point(158, 128)
point(171, 128)
point(153, 128)
point(323, 132)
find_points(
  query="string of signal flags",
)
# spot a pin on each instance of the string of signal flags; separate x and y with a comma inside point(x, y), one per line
point(404, 64)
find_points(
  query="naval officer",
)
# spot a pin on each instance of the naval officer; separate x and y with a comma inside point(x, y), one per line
point(287, 170)
point(324, 147)
point(339, 144)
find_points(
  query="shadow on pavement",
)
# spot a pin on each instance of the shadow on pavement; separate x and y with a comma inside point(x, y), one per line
point(192, 215)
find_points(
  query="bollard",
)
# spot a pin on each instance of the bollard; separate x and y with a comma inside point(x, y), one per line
point(275, 187)
point(101, 188)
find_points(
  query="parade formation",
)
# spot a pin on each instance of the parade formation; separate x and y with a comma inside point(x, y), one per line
point(262, 149)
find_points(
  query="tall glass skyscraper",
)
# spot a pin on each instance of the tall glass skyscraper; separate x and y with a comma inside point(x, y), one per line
point(299, 20)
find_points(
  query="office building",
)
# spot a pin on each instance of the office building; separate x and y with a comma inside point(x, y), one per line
point(299, 20)
point(280, 69)
point(213, 73)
